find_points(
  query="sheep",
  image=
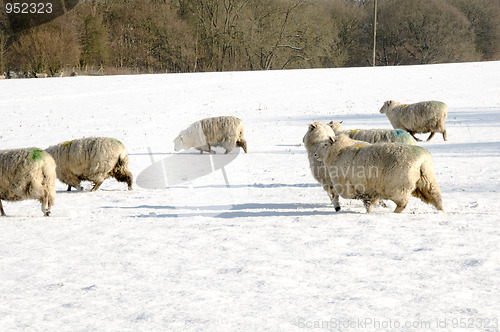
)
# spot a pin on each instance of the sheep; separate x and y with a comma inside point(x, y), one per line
point(316, 134)
point(28, 173)
point(423, 117)
point(389, 171)
point(374, 135)
point(225, 131)
point(91, 159)
point(41, 75)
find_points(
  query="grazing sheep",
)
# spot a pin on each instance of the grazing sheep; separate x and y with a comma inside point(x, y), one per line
point(369, 172)
point(225, 131)
point(423, 117)
point(374, 135)
point(27, 174)
point(317, 133)
point(91, 159)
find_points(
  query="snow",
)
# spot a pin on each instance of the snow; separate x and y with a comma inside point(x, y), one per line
point(268, 252)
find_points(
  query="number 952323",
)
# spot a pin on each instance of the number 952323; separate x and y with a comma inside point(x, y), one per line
point(28, 8)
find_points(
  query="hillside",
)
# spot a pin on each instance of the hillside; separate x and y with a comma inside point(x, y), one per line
point(263, 250)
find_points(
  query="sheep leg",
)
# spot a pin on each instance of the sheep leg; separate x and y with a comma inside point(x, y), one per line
point(77, 187)
point(336, 202)
point(400, 207)
point(2, 212)
point(431, 135)
point(445, 136)
point(369, 204)
point(412, 133)
point(96, 186)
point(45, 206)
point(243, 144)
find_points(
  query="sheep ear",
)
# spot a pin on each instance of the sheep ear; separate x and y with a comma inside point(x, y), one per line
point(330, 123)
point(312, 126)
point(341, 121)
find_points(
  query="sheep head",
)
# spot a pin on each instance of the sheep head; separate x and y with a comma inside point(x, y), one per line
point(336, 126)
point(323, 148)
point(179, 143)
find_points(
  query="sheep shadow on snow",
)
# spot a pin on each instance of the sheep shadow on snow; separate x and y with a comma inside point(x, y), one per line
point(240, 210)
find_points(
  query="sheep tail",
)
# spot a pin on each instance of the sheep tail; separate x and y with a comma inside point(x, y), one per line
point(120, 172)
point(241, 141)
point(427, 188)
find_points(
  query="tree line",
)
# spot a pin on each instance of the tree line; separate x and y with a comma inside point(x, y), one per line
point(150, 36)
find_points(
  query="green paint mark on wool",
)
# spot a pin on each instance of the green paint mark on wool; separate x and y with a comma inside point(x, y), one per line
point(417, 150)
point(118, 142)
point(36, 154)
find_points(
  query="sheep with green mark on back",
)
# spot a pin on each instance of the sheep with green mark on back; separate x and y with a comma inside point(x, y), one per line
point(28, 173)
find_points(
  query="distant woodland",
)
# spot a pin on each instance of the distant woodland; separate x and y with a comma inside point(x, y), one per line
point(153, 36)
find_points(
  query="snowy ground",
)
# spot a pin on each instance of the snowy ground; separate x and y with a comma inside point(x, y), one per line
point(267, 252)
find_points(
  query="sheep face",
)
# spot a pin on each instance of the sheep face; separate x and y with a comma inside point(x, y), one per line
point(387, 105)
point(179, 143)
point(323, 148)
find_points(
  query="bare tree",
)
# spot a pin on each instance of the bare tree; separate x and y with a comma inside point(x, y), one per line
point(423, 32)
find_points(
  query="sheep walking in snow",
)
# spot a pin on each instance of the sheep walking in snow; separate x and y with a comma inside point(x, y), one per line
point(27, 174)
point(389, 171)
point(423, 117)
point(374, 135)
point(91, 159)
point(225, 131)
point(317, 133)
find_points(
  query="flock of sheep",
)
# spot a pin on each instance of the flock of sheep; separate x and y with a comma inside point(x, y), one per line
point(379, 164)
point(371, 165)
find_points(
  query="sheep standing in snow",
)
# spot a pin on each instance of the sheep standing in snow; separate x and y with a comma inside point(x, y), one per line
point(27, 174)
point(374, 135)
point(91, 159)
point(225, 131)
point(389, 171)
point(317, 133)
point(423, 117)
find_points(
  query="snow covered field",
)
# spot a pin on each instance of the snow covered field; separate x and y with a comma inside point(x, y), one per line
point(267, 252)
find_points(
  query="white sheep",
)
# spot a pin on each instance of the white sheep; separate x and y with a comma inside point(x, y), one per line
point(389, 171)
point(423, 117)
point(91, 159)
point(316, 134)
point(374, 135)
point(28, 173)
point(225, 131)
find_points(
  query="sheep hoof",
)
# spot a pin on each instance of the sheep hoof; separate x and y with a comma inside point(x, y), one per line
point(337, 208)
point(47, 214)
